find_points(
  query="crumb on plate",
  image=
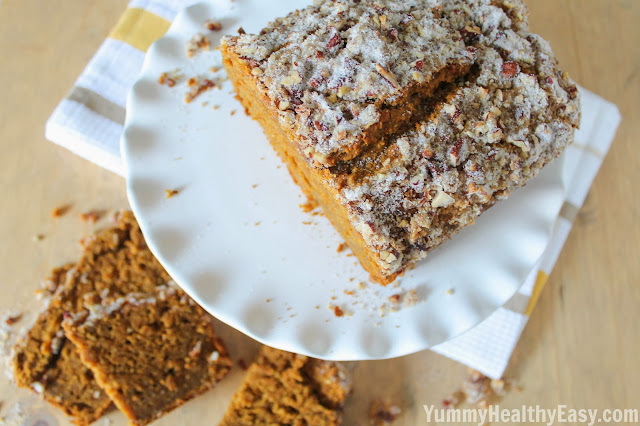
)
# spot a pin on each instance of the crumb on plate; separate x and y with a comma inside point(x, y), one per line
point(169, 193)
point(197, 44)
point(165, 80)
point(198, 86)
point(213, 25)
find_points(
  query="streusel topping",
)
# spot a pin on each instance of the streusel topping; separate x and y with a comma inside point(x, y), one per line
point(493, 134)
point(332, 67)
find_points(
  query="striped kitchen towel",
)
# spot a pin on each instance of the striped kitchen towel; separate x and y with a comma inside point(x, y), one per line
point(89, 122)
point(488, 346)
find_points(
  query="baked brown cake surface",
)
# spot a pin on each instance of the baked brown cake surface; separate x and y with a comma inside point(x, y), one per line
point(47, 363)
point(149, 352)
point(475, 138)
point(282, 388)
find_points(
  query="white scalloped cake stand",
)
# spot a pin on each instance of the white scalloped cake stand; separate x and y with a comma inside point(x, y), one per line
point(236, 241)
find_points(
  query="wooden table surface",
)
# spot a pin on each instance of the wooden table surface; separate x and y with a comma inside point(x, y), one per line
point(581, 346)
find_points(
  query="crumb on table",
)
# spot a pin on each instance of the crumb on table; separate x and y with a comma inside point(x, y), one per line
point(480, 390)
point(12, 319)
point(60, 211)
point(92, 216)
point(341, 247)
point(242, 364)
point(383, 413)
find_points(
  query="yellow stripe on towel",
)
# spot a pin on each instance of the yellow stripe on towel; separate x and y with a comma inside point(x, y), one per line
point(139, 28)
point(541, 280)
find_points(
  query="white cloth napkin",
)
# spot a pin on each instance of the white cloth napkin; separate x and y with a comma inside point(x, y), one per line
point(89, 122)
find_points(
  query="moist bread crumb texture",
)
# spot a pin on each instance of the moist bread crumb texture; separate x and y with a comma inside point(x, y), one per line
point(282, 388)
point(47, 363)
point(150, 353)
point(117, 281)
point(320, 79)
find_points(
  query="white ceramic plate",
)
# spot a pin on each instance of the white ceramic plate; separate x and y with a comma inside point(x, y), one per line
point(235, 239)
